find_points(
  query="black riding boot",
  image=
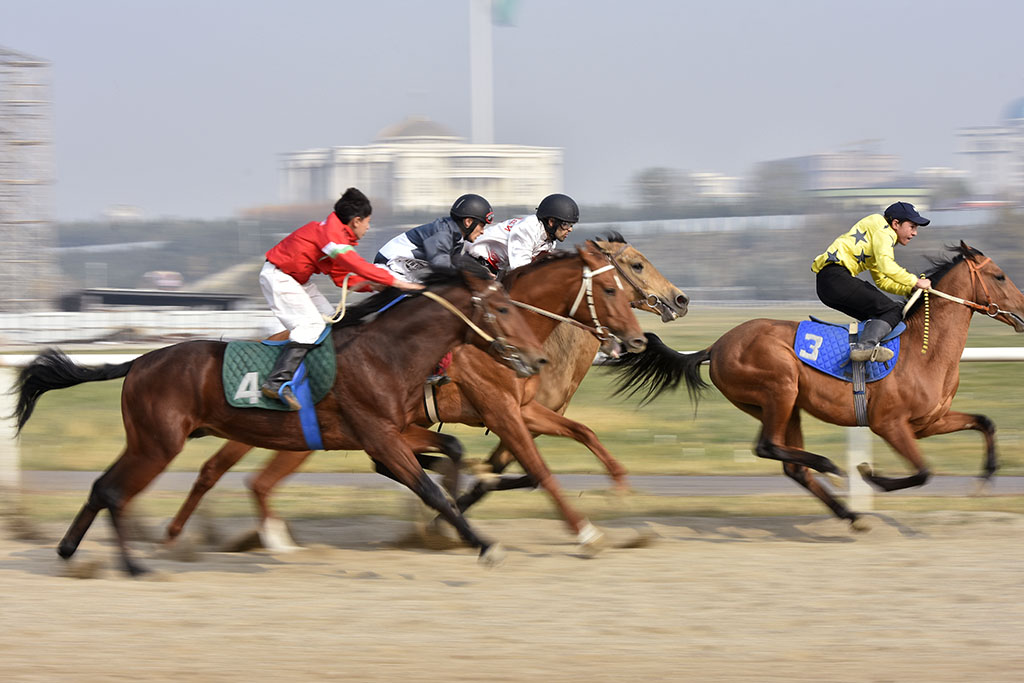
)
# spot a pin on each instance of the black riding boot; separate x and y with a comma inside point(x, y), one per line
point(284, 369)
point(867, 346)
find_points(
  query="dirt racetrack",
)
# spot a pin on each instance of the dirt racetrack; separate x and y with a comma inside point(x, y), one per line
point(921, 597)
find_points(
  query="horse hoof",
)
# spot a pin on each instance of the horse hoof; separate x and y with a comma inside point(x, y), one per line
point(492, 556)
point(591, 539)
point(860, 524)
point(274, 536)
point(865, 470)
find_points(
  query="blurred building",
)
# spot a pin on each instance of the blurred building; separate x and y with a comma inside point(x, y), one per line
point(27, 260)
point(854, 168)
point(994, 155)
point(420, 165)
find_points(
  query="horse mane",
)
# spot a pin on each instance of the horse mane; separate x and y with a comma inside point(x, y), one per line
point(942, 264)
point(612, 236)
point(436, 277)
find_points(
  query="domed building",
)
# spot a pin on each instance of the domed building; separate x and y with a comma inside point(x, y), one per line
point(418, 164)
point(994, 155)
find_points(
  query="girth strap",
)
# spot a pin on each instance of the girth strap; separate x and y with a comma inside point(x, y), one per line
point(860, 397)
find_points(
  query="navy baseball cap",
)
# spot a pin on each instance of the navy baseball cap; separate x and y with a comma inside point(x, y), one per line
point(904, 211)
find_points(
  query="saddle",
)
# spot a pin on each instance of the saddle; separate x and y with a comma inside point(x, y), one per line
point(247, 364)
point(825, 346)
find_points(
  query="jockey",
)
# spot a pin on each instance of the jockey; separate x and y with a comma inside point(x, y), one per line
point(868, 245)
point(325, 247)
point(434, 244)
point(517, 241)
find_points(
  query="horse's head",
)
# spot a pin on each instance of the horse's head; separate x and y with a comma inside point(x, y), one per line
point(607, 303)
point(994, 293)
point(652, 291)
point(506, 336)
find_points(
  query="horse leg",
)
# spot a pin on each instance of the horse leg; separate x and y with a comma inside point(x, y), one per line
point(210, 473)
point(421, 440)
point(396, 461)
point(505, 421)
point(541, 420)
point(97, 501)
point(955, 422)
point(802, 476)
point(898, 434)
point(129, 475)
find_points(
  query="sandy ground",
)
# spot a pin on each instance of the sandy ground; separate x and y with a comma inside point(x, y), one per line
point(922, 597)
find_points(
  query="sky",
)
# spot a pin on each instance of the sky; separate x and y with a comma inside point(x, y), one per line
point(182, 107)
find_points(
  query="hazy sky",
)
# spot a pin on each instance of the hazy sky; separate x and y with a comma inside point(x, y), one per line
point(181, 107)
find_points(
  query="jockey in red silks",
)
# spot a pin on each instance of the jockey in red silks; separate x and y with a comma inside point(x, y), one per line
point(326, 247)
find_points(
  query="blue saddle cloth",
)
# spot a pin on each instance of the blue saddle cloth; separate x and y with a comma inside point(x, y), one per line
point(825, 346)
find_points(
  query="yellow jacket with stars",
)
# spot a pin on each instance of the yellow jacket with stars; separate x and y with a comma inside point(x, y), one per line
point(869, 246)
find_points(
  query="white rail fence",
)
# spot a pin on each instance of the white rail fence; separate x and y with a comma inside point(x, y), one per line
point(858, 443)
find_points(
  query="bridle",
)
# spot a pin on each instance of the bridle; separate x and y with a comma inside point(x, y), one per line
point(499, 346)
point(649, 298)
point(586, 290)
point(991, 309)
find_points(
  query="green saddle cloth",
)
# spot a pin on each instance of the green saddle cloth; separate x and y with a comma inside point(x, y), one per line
point(246, 364)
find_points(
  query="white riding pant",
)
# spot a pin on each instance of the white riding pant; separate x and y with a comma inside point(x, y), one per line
point(300, 308)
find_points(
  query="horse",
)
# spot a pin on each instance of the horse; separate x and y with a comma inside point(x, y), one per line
point(176, 392)
point(482, 394)
point(756, 368)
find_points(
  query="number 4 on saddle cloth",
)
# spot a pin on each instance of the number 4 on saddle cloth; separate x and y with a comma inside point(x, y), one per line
point(246, 364)
point(825, 346)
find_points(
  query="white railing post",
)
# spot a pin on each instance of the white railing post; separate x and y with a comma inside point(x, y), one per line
point(858, 450)
point(10, 455)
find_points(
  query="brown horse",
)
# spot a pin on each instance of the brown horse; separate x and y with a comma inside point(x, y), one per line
point(484, 394)
point(755, 366)
point(176, 393)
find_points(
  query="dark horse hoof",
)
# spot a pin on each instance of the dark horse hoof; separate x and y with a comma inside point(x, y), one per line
point(66, 550)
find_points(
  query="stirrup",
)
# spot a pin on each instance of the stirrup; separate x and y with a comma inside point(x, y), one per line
point(881, 354)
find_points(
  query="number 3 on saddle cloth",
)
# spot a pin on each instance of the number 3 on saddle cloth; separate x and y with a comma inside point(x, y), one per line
point(825, 346)
point(246, 364)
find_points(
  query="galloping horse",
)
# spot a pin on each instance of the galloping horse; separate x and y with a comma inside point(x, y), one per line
point(755, 366)
point(176, 393)
point(483, 393)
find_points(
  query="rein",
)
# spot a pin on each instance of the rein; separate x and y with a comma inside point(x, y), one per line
point(587, 289)
point(991, 309)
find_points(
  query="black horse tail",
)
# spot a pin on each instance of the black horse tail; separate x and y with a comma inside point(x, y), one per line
point(659, 368)
point(52, 369)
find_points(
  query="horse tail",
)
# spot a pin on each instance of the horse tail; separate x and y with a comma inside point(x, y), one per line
point(52, 369)
point(659, 368)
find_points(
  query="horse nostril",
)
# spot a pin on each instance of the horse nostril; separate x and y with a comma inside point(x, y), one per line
point(637, 343)
point(682, 300)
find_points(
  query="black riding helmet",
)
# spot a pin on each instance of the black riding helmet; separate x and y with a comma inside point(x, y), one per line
point(471, 206)
point(561, 207)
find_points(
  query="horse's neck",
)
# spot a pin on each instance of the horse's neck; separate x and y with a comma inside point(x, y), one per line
point(421, 331)
point(551, 294)
point(947, 325)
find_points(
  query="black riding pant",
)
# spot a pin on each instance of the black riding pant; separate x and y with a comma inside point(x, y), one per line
point(857, 298)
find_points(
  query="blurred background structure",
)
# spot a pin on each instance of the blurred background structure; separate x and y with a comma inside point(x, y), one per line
point(482, 96)
point(27, 237)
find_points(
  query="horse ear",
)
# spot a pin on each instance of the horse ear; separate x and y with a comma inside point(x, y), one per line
point(966, 250)
point(587, 253)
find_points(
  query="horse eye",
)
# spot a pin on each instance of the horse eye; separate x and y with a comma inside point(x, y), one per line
point(610, 291)
point(638, 267)
point(1000, 277)
point(503, 310)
